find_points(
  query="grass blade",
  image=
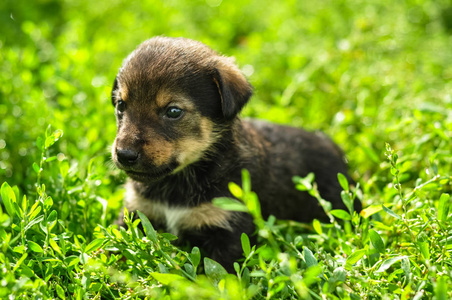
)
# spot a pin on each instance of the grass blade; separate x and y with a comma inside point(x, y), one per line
point(443, 207)
point(390, 212)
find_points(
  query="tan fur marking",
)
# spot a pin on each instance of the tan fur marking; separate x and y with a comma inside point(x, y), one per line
point(163, 98)
point(166, 98)
point(192, 149)
point(158, 151)
point(206, 215)
point(124, 94)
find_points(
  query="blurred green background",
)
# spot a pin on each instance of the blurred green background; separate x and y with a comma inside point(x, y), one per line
point(365, 72)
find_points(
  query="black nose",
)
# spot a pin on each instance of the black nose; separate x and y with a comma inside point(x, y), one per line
point(127, 157)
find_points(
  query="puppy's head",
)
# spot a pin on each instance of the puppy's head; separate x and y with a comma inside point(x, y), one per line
point(172, 96)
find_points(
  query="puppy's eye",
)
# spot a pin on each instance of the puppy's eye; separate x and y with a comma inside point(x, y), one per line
point(174, 112)
point(121, 106)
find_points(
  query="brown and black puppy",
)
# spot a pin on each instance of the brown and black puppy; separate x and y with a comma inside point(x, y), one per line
point(181, 142)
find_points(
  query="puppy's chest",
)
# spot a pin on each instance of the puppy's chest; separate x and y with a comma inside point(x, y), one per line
point(174, 218)
point(177, 218)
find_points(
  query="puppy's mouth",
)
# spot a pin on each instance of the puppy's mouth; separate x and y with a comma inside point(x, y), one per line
point(151, 174)
point(146, 176)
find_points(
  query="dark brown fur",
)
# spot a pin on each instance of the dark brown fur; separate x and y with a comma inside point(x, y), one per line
point(178, 165)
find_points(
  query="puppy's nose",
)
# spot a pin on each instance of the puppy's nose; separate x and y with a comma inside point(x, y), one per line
point(127, 157)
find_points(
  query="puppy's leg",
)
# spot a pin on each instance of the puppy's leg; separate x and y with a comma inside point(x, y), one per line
point(222, 244)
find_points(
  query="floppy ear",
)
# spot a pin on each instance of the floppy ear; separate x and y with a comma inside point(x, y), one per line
point(113, 91)
point(234, 89)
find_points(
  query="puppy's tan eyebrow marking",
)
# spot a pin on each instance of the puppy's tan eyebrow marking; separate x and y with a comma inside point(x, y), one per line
point(165, 98)
point(123, 94)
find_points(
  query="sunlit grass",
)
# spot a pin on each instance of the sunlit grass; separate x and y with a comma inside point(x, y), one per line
point(375, 76)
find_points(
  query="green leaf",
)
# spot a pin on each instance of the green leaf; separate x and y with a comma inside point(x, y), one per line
point(33, 222)
point(388, 263)
point(195, 256)
point(229, 204)
point(246, 181)
point(20, 261)
point(298, 240)
point(214, 271)
point(236, 267)
point(394, 171)
point(167, 279)
point(34, 211)
point(312, 275)
point(339, 274)
point(376, 240)
point(245, 244)
point(60, 291)
point(49, 141)
point(370, 210)
point(424, 248)
point(55, 136)
point(355, 257)
point(64, 168)
point(24, 204)
point(36, 168)
point(49, 159)
point(8, 198)
point(309, 258)
point(34, 247)
point(390, 212)
point(406, 268)
point(18, 210)
point(40, 143)
point(26, 271)
point(252, 203)
point(343, 181)
point(52, 220)
point(235, 190)
point(441, 291)
point(340, 214)
point(190, 270)
point(423, 238)
point(48, 272)
point(48, 202)
point(169, 236)
point(94, 245)
point(304, 183)
point(95, 286)
point(19, 249)
point(347, 199)
point(55, 246)
point(71, 260)
point(443, 207)
point(148, 229)
point(317, 226)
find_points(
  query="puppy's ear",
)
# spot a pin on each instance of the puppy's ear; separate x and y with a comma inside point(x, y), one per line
point(113, 91)
point(234, 89)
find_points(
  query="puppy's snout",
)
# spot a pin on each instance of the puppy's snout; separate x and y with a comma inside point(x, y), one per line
point(127, 157)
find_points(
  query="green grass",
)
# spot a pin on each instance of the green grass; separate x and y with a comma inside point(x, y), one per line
point(374, 75)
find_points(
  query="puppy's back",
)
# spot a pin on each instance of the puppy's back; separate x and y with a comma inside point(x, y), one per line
point(295, 152)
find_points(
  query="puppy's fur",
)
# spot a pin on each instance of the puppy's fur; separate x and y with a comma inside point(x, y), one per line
point(181, 142)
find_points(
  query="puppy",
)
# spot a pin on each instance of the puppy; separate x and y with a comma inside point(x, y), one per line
point(181, 142)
